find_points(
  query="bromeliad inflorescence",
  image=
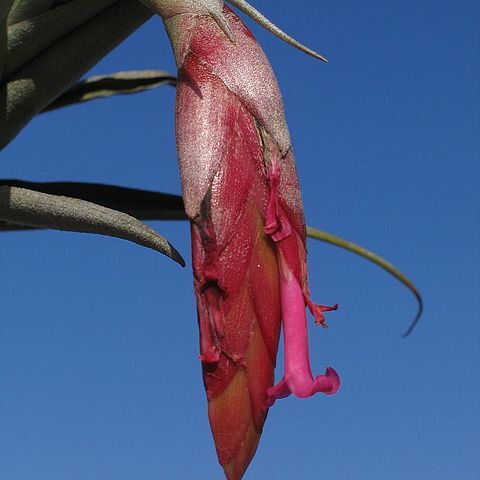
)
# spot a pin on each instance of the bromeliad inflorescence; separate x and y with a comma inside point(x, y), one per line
point(242, 197)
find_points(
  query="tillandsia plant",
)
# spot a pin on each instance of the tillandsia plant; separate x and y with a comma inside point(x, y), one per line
point(239, 181)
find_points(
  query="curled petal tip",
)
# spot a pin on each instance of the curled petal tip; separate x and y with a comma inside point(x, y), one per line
point(328, 384)
point(332, 381)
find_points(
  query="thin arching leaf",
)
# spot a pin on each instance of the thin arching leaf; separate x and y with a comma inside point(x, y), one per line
point(120, 83)
point(377, 260)
point(57, 67)
point(37, 209)
point(142, 204)
point(255, 15)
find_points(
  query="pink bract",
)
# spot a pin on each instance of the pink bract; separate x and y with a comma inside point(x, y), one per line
point(243, 200)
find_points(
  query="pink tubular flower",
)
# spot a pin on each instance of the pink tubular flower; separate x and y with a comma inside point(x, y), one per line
point(291, 256)
point(242, 197)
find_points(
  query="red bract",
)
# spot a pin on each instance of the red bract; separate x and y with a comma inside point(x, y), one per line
point(248, 233)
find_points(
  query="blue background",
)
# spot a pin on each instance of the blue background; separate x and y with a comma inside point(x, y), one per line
point(99, 376)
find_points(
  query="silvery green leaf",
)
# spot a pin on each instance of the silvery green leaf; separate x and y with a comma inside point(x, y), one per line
point(55, 69)
point(31, 36)
point(36, 209)
point(119, 83)
point(142, 204)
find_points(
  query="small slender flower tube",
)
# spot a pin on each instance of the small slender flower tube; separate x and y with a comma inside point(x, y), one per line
point(242, 197)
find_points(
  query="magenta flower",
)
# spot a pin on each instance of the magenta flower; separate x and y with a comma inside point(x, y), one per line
point(298, 378)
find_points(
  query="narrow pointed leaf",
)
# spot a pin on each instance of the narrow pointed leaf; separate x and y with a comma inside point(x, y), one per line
point(377, 260)
point(31, 208)
point(54, 70)
point(255, 15)
point(31, 36)
point(142, 204)
point(120, 83)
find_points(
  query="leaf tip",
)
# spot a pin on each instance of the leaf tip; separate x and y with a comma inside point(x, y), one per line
point(176, 256)
point(414, 323)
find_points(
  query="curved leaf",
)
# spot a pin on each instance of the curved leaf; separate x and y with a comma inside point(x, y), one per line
point(31, 208)
point(142, 204)
point(51, 72)
point(377, 260)
point(120, 83)
point(28, 38)
point(258, 17)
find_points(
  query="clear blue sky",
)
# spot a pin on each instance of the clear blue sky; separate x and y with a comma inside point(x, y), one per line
point(99, 376)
